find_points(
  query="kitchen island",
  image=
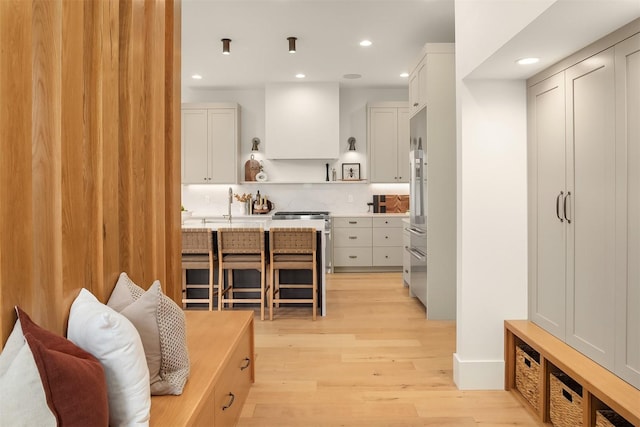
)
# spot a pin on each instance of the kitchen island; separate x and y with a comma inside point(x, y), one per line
point(265, 221)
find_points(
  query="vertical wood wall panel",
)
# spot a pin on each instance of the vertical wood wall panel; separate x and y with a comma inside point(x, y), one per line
point(16, 213)
point(46, 196)
point(173, 22)
point(89, 151)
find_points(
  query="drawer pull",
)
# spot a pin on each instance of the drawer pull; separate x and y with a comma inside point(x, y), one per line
point(353, 256)
point(353, 222)
point(353, 237)
point(232, 398)
point(247, 363)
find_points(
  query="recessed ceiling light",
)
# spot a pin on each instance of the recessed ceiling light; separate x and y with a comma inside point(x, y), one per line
point(527, 61)
point(365, 43)
point(404, 75)
point(352, 76)
point(300, 76)
point(196, 77)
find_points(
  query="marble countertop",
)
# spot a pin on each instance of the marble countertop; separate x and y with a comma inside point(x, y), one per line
point(251, 221)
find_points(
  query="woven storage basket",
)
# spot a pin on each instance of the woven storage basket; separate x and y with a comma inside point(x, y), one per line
point(528, 373)
point(565, 401)
point(609, 418)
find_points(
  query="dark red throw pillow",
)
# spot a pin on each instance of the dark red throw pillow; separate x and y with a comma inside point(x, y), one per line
point(73, 380)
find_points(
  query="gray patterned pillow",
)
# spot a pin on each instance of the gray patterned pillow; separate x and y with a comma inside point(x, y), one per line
point(161, 325)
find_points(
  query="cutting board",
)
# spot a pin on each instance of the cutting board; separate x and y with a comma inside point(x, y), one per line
point(251, 169)
point(390, 203)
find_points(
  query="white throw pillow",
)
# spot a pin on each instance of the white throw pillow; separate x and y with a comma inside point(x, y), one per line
point(115, 342)
point(23, 401)
point(161, 325)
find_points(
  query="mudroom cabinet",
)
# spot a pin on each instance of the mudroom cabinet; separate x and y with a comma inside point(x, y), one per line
point(584, 201)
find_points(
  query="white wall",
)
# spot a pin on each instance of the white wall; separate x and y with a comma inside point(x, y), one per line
point(492, 189)
point(337, 197)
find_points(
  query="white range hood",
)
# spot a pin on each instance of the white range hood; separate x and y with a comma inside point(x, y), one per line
point(302, 120)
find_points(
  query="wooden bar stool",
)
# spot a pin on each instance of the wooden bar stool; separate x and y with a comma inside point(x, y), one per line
point(292, 249)
point(197, 253)
point(241, 249)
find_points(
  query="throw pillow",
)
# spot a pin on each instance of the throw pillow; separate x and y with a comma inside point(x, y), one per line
point(115, 342)
point(161, 324)
point(23, 401)
point(73, 380)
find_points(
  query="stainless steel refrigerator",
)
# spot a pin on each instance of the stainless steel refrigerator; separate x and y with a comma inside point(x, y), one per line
point(418, 206)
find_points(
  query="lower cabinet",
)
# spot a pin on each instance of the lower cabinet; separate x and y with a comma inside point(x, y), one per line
point(562, 386)
point(221, 352)
point(368, 242)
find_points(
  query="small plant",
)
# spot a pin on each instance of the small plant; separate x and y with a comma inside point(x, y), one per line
point(244, 198)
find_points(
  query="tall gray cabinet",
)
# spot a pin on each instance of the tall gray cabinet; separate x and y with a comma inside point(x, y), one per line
point(584, 201)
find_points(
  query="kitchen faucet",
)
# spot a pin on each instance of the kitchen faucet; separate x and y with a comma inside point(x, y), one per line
point(229, 204)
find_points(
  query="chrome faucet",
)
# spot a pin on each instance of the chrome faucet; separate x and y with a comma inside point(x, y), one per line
point(229, 204)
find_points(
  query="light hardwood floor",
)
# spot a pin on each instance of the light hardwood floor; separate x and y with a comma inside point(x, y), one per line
point(372, 361)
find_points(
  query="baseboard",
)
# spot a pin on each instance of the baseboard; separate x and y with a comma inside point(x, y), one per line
point(478, 374)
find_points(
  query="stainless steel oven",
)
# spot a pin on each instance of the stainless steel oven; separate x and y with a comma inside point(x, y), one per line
point(323, 215)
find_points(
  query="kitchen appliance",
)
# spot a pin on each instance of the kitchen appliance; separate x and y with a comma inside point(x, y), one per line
point(323, 215)
point(418, 206)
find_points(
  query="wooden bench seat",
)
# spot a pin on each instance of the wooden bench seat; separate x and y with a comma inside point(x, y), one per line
point(221, 351)
point(600, 386)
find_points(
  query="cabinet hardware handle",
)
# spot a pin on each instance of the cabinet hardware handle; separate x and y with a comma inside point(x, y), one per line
point(564, 206)
point(415, 231)
point(353, 256)
point(246, 365)
point(386, 237)
point(558, 206)
point(417, 254)
point(233, 397)
point(353, 222)
point(353, 237)
point(415, 104)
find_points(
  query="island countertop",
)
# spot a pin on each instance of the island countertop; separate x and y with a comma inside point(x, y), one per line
point(251, 221)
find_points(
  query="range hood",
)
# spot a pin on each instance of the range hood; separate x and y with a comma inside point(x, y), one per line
point(302, 120)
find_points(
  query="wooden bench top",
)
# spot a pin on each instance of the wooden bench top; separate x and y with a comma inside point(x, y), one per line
point(606, 386)
point(211, 337)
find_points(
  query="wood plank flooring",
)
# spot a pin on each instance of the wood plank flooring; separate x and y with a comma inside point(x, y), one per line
point(372, 361)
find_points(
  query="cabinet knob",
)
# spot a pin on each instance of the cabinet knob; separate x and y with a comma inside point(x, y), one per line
point(415, 104)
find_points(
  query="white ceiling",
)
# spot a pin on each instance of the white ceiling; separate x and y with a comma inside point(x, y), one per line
point(328, 32)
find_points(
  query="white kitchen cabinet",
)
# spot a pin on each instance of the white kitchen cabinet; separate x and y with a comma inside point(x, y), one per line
point(368, 242)
point(627, 295)
point(352, 238)
point(591, 197)
point(584, 202)
point(547, 188)
point(387, 241)
point(209, 143)
point(417, 87)
point(388, 141)
point(572, 197)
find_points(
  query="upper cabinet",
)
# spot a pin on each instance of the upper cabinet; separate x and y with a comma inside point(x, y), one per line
point(388, 135)
point(209, 143)
point(417, 86)
point(302, 121)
